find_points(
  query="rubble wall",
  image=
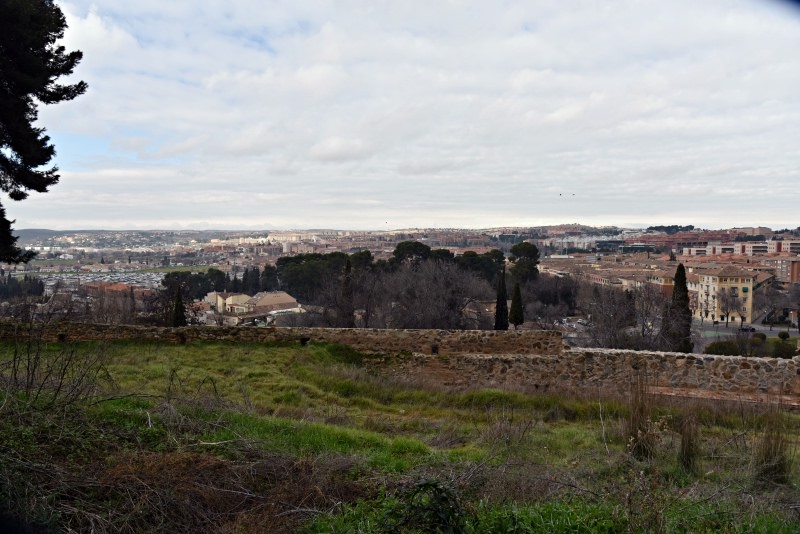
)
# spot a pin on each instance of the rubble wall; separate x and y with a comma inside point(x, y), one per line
point(525, 359)
point(373, 341)
point(604, 370)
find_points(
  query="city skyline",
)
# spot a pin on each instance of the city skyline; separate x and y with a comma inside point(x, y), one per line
point(380, 116)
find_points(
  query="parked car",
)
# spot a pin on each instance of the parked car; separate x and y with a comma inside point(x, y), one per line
point(747, 329)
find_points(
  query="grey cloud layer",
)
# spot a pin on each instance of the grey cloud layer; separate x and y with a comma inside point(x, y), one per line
point(366, 114)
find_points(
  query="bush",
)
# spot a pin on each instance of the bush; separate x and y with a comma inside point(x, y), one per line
point(784, 336)
point(760, 335)
point(723, 348)
point(783, 350)
point(428, 506)
point(48, 378)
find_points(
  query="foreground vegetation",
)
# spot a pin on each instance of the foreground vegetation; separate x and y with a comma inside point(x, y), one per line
point(204, 437)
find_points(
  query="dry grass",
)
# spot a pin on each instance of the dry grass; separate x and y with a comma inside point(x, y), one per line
point(772, 452)
point(640, 432)
point(689, 449)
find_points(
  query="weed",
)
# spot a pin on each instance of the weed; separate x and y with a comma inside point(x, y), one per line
point(641, 433)
point(689, 451)
point(772, 454)
point(505, 431)
point(428, 506)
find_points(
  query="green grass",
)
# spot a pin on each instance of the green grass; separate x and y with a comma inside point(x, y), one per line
point(512, 461)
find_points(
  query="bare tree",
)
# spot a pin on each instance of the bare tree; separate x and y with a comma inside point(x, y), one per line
point(728, 302)
point(612, 315)
point(648, 308)
point(435, 294)
point(766, 301)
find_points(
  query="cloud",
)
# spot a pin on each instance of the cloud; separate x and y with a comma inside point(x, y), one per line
point(339, 149)
point(472, 113)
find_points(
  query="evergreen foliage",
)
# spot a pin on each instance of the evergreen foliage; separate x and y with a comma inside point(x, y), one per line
point(410, 251)
point(31, 62)
point(516, 315)
point(12, 287)
point(525, 257)
point(678, 318)
point(501, 307)
point(347, 309)
point(179, 310)
point(485, 265)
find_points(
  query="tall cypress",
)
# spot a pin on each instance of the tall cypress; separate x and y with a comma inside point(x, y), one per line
point(347, 308)
point(516, 315)
point(178, 310)
point(501, 307)
point(679, 317)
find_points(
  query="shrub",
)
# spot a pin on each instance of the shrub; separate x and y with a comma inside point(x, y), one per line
point(784, 336)
point(428, 506)
point(758, 344)
point(41, 377)
point(783, 350)
point(723, 348)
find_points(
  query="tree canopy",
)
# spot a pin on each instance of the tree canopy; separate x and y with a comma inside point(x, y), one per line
point(525, 257)
point(31, 62)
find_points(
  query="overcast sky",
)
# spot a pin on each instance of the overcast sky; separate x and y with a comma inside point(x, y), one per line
point(388, 114)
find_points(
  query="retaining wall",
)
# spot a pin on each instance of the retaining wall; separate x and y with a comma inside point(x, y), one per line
point(366, 340)
point(606, 370)
point(526, 359)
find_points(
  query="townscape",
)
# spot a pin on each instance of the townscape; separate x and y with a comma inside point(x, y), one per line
point(744, 277)
point(326, 283)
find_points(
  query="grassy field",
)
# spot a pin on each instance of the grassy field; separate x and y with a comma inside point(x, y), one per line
point(224, 437)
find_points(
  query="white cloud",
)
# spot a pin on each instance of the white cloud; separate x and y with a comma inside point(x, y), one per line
point(411, 113)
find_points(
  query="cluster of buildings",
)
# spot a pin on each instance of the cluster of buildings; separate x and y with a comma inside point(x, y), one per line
point(721, 288)
point(232, 309)
point(728, 271)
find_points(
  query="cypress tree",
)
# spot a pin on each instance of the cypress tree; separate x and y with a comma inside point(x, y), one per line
point(347, 308)
point(178, 310)
point(679, 316)
point(501, 307)
point(516, 315)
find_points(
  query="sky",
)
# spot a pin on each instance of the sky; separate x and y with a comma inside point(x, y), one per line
point(376, 114)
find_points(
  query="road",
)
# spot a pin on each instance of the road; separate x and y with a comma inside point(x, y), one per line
point(710, 332)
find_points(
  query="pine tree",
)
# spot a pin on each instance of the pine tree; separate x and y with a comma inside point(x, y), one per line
point(31, 62)
point(501, 307)
point(516, 315)
point(178, 310)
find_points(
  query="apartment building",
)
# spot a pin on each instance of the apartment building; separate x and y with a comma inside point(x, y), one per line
point(786, 268)
point(747, 248)
point(722, 294)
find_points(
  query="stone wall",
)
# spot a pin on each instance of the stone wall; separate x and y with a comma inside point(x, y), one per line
point(366, 340)
point(606, 370)
point(525, 359)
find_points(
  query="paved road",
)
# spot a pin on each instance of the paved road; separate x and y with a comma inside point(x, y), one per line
point(709, 330)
